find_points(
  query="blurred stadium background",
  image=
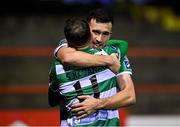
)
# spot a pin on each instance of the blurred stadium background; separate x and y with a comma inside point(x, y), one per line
point(30, 30)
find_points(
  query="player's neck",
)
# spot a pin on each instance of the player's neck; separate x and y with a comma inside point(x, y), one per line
point(83, 47)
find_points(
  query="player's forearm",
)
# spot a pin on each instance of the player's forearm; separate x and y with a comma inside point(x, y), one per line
point(81, 59)
point(123, 98)
point(117, 101)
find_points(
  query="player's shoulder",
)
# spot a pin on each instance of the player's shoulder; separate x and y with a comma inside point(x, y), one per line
point(121, 44)
point(115, 41)
point(62, 41)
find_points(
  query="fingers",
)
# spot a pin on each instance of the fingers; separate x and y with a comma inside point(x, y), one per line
point(74, 110)
point(80, 113)
point(83, 97)
point(82, 116)
point(79, 106)
point(115, 55)
point(76, 105)
point(78, 109)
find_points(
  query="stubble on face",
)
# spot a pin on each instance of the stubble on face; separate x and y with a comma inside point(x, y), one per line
point(98, 33)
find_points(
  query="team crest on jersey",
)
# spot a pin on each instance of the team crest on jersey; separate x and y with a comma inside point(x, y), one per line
point(114, 48)
point(127, 64)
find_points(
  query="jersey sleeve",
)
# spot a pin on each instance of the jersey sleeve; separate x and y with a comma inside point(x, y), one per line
point(121, 44)
point(62, 43)
point(125, 66)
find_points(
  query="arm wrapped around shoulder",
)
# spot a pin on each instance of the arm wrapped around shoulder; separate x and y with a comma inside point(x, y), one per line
point(123, 45)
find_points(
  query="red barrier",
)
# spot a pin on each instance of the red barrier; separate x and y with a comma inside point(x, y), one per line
point(123, 114)
point(48, 52)
point(32, 117)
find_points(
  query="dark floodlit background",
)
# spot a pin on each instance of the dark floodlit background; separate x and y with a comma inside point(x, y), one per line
point(31, 29)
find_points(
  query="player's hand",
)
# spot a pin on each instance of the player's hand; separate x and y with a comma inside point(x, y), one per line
point(115, 66)
point(85, 108)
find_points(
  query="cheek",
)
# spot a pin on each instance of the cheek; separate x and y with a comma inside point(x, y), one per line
point(106, 38)
point(93, 37)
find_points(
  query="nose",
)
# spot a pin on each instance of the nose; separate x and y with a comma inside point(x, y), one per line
point(99, 38)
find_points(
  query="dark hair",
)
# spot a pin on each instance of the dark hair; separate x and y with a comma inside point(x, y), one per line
point(77, 32)
point(101, 15)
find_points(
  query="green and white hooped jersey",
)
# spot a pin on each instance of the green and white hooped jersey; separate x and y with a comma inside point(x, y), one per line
point(99, 82)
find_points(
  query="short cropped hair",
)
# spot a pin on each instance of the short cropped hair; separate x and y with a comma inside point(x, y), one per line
point(101, 15)
point(77, 32)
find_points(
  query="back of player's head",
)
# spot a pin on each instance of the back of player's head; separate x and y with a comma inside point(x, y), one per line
point(101, 15)
point(77, 32)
